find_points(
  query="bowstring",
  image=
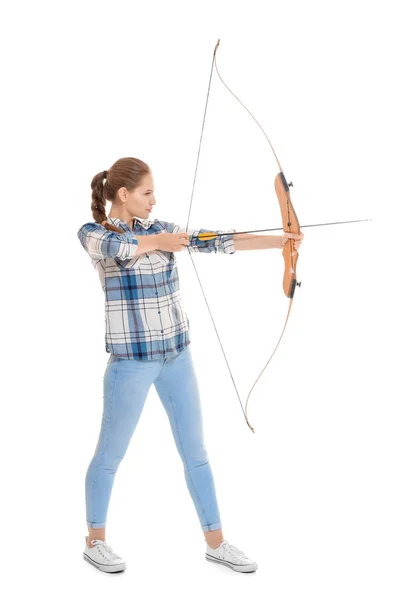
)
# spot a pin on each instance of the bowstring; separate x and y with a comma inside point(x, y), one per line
point(188, 220)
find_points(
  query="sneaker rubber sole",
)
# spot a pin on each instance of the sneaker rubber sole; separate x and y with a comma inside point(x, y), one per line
point(239, 568)
point(105, 568)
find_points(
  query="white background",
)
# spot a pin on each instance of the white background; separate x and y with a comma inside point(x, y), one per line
point(321, 496)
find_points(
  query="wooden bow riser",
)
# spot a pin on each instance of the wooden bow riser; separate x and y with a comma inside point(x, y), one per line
point(290, 225)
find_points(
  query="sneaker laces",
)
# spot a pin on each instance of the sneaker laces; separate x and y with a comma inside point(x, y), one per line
point(234, 548)
point(106, 547)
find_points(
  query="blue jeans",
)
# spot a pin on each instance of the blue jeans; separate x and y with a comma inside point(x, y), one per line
point(126, 385)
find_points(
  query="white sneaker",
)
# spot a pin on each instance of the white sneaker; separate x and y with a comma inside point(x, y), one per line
point(102, 557)
point(232, 557)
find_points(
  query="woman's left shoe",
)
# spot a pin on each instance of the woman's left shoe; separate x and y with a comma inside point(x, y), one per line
point(232, 557)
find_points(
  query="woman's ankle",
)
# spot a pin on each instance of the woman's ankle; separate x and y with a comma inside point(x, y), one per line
point(95, 534)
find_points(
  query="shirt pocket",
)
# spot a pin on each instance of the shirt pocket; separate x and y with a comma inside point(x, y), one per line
point(162, 258)
point(128, 263)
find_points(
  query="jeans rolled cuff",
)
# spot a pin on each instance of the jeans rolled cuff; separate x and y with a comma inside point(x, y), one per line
point(96, 525)
point(212, 527)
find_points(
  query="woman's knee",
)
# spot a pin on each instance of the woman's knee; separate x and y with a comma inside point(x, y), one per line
point(197, 456)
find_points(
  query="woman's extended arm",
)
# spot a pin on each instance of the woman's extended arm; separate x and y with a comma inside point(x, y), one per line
point(249, 241)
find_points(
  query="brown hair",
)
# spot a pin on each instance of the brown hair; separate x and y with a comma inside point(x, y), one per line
point(125, 172)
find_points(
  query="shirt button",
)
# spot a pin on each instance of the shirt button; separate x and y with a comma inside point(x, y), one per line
point(162, 331)
point(159, 312)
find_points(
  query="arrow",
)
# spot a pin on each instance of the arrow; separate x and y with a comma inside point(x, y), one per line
point(210, 235)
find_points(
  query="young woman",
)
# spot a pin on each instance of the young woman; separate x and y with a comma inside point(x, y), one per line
point(147, 336)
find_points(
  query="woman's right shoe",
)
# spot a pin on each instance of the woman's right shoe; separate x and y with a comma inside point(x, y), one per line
point(231, 556)
point(102, 557)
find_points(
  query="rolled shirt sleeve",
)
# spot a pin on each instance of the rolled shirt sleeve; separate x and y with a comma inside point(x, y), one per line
point(223, 244)
point(101, 243)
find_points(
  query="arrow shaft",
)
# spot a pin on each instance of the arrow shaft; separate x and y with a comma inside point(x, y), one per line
point(207, 235)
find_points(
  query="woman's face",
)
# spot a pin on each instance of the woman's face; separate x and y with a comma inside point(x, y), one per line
point(142, 199)
point(137, 203)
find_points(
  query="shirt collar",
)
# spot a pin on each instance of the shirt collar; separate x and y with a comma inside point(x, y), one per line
point(146, 223)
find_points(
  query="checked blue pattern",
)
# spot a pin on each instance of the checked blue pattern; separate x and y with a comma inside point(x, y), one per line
point(144, 315)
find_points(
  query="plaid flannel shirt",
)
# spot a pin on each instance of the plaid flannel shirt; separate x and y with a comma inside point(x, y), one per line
point(144, 316)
